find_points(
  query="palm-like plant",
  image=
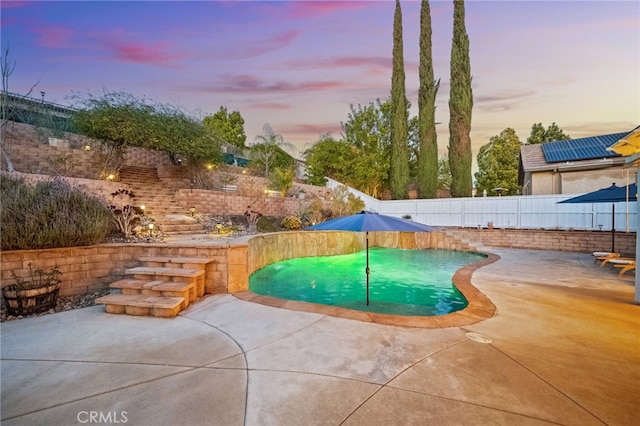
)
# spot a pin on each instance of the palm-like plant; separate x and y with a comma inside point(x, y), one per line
point(268, 150)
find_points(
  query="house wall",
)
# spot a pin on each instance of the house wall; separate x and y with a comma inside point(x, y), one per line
point(592, 180)
point(579, 181)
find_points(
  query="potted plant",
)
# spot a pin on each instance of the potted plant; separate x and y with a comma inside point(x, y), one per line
point(33, 294)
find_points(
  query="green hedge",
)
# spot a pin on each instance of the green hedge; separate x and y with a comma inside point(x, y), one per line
point(50, 214)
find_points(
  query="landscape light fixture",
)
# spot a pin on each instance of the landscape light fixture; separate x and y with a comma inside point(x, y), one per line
point(87, 148)
point(193, 211)
point(142, 208)
point(111, 177)
point(151, 226)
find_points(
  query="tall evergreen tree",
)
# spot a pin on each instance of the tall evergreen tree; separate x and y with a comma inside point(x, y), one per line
point(399, 170)
point(427, 173)
point(460, 107)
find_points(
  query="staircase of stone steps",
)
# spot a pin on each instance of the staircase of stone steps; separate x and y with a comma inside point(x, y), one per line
point(461, 243)
point(159, 201)
point(162, 287)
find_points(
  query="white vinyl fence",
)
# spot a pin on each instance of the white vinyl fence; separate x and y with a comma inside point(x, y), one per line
point(518, 212)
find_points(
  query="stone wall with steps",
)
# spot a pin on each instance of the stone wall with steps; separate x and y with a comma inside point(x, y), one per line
point(93, 268)
point(163, 287)
point(30, 153)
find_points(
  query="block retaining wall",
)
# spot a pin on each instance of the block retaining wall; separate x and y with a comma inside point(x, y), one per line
point(571, 241)
point(91, 268)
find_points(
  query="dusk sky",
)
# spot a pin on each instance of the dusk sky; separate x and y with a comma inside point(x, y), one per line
point(298, 65)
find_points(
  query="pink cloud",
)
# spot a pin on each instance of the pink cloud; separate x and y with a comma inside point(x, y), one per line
point(146, 53)
point(13, 4)
point(259, 47)
point(304, 9)
point(344, 61)
point(53, 36)
point(250, 84)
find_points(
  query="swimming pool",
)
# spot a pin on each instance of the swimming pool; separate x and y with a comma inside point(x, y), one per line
point(402, 282)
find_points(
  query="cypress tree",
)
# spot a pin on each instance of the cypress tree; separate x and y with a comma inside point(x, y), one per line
point(427, 174)
point(460, 107)
point(399, 170)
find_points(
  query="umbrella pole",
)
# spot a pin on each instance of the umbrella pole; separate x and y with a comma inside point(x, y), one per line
point(367, 271)
point(613, 228)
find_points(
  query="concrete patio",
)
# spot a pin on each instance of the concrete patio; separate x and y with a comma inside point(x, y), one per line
point(563, 348)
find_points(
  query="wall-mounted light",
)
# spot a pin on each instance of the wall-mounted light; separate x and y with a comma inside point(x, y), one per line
point(193, 211)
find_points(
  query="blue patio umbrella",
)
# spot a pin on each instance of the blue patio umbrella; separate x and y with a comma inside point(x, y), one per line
point(613, 194)
point(370, 222)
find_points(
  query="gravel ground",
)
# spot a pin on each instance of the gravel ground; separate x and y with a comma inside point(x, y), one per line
point(63, 303)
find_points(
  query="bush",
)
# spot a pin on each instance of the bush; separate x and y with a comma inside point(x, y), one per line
point(265, 224)
point(291, 222)
point(50, 214)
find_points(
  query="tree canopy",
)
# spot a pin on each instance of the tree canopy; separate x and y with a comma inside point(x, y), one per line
point(427, 168)
point(328, 157)
point(399, 166)
point(541, 135)
point(498, 164)
point(123, 120)
point(228, 126)
point(460, 107)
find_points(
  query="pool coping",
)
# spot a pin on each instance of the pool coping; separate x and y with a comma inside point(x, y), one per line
point(479, 308)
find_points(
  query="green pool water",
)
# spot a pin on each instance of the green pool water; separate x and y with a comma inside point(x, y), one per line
point(402, 282)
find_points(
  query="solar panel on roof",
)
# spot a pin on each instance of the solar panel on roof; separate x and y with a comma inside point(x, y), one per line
point(580, 149)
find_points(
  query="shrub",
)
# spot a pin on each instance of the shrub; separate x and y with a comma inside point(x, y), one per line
point(50, 214)
point(291, 222)
point(265, 224)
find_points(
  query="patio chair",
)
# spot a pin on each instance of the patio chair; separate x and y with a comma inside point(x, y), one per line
point(604, 257)
point(626, 265)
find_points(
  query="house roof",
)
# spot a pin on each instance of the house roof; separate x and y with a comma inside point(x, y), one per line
point(581, 149)
point(583, 153)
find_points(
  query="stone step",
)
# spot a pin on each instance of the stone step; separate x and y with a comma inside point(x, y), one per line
point(150, 273)
point(165, 272)
point(141, 305)
point(182, 262)
point(177, 259)
point(187, 290)
point(179, 219)
point(181, 228)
